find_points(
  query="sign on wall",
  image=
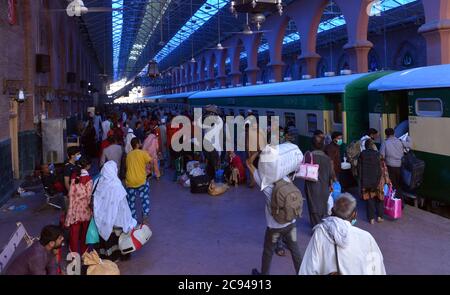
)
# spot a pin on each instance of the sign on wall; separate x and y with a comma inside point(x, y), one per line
point(12, 12)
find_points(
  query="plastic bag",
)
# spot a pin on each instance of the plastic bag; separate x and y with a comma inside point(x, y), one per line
point(92, 236)
point(330, 203)
point(337, 190)
point(276, 162)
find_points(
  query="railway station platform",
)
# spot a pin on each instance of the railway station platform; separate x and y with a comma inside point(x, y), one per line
point(204, 235)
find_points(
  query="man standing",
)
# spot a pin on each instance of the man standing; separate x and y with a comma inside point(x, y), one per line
point(333, 151)
point(139, 131)
point(371, 134)
point(128, 138)
point(392, 150)
point(39, 258)
point(112, 152)
point(70, 167)
point(317, 193)
point(275, 231)
point(136, 178)
point(339, 247)
point(106, 126)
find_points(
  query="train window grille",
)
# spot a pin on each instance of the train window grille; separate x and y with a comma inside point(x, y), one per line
point(312, 122)
point(429, 107)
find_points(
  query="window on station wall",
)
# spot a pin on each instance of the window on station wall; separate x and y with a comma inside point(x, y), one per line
point(429, 107)
point(311, 120)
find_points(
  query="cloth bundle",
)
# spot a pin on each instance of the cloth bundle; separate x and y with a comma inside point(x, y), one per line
point(99, 266)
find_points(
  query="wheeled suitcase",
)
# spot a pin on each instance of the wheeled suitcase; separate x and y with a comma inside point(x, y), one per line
point(200, 184)
point(412, 171)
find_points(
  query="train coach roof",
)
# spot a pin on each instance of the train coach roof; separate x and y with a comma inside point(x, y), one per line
point(418, 78)
point(179, 95)
point(335, 84)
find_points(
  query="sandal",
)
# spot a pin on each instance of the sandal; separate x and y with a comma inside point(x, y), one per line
point(280, 252)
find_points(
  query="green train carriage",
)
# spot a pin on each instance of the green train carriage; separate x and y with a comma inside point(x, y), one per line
point(331, 104)
point(177, 101)
point(420, 96)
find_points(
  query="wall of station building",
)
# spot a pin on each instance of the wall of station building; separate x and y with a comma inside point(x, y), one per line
point(39, 32)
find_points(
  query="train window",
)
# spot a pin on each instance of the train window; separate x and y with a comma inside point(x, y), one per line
point(269, 117)
point(289, 120)
point(429, 107)
point(312, 122)
point(337, 111)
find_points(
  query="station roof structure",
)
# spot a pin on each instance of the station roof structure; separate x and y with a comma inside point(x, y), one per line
point(172, 31)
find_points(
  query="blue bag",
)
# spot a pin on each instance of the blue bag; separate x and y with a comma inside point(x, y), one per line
point(219, 176)
point(337, 190)
point(92, 236)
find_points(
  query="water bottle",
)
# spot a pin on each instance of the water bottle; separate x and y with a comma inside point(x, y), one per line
point(51, 168)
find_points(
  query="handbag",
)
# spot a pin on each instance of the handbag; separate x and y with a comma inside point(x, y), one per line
point(392, 205)
point(308, 171)
point(92, 235)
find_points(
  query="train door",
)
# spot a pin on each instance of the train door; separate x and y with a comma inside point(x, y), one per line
point(396, 108)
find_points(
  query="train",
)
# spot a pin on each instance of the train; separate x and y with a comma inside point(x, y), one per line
point(417, 98)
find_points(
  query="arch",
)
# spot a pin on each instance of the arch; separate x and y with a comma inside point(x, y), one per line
point(436, 31)
point(322, 67)
point(406, 56)
point(374, 61)
point(343, 63)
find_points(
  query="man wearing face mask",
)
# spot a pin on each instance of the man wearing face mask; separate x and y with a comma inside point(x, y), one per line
point(70, 167)
point(338, 247)
point(333, 151)
point(39, 258)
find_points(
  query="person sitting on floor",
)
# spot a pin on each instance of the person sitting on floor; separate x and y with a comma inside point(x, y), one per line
point(338, 247)
point(39, 258)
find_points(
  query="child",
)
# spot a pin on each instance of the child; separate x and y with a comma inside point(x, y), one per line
point(237, 169)
point(79, 213)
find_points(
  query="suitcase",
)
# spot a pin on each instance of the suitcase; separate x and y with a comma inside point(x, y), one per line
point(200, 184)
point(412, 171)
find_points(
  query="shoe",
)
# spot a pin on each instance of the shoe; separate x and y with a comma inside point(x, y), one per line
point(380, 220)
point(372, 221)
point(255, 272)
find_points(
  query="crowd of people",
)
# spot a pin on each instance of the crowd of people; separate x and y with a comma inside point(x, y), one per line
point(133, 146)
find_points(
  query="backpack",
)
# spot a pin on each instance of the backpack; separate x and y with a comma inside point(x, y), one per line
point(287, 202)
point(353, 151)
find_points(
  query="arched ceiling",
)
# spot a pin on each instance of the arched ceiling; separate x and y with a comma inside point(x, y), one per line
point(125, 40)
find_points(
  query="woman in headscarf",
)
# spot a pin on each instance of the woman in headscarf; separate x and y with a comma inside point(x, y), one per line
point(112, 214)
point(151, 146)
